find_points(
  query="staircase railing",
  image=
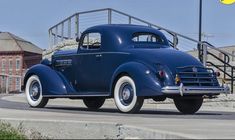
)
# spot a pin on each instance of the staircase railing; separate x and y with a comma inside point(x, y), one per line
point(225, 67)
point(73, 26)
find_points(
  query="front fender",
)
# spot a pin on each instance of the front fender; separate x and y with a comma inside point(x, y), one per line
point(53, 83)
point(147, 84)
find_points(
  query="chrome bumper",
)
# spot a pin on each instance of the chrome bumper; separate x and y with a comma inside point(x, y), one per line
point(183, 90)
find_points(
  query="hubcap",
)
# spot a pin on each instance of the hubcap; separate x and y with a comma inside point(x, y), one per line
point(34, 90)
point(126, 94)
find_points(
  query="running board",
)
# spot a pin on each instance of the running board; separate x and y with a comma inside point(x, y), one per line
point(79, 95)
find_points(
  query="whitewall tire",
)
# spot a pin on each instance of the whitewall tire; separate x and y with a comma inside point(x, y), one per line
point(33, 91)
point(125, 96)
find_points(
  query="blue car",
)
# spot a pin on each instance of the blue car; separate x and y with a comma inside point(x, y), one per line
point(129, 63)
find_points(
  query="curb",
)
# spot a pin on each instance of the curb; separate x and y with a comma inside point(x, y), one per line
point(54, 129)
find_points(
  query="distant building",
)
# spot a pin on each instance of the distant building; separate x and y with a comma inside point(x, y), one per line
point(16, 56)
point(229, 49)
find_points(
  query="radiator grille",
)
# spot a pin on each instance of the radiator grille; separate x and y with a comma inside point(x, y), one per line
point(197, 76)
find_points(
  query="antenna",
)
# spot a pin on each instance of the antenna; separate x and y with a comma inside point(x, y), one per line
point(206, 36)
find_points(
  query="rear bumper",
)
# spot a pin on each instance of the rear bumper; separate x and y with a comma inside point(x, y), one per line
point(187, 90)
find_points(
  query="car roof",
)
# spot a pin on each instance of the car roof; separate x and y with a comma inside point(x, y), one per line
point(123, 28)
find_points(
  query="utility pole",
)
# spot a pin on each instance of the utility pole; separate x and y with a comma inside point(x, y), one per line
point(200, 21)
point(200, 32)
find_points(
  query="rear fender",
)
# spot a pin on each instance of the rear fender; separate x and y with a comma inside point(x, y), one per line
point(147, 83)
point(53, 82)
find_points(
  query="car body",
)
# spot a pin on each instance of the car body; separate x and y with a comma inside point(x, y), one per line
point(126, 62)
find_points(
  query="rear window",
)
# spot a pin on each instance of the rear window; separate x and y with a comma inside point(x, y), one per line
point(147, 38)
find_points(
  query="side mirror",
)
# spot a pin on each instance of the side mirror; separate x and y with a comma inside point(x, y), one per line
point(77, 39)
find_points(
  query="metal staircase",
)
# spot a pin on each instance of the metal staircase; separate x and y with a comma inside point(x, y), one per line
point(221, 63)
point(72, 27)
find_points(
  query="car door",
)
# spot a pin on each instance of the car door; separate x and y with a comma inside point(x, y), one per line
point(89, 69)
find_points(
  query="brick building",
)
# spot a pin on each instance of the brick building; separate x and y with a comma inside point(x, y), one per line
point(16, 56)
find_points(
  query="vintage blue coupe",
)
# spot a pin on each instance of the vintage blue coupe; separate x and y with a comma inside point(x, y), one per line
point(129, 63)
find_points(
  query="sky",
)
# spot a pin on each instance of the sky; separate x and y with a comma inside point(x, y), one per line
point(31, 19)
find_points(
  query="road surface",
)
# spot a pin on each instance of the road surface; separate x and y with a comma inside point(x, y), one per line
point(204, 124)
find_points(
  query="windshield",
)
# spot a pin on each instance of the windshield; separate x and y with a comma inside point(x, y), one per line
point(149, 40)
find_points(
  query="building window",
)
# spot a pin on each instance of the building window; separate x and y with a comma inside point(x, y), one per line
point(18, 83)
point(17, 64)
point(3, 80)
point(10, 82)
point(3, 65)
point(233, 58)
point(10, 64)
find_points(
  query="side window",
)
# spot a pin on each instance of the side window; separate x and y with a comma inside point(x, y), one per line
point(91, 41)
point(147, 37)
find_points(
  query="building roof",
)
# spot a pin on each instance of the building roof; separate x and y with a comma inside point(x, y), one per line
point(230, 48)
point(10, 42)
point(224, 47)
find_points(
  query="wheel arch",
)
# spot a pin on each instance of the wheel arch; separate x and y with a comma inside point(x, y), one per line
point(27, 75)
point(52, 82)
point(116, 79)
point(137, 71)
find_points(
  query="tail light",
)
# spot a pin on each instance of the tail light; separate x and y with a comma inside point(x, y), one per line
point(161, 74)
point(217, 74)
point(177, 79)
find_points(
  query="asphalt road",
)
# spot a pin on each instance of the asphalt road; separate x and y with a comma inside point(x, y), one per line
point(204, 124)
point(146, 113)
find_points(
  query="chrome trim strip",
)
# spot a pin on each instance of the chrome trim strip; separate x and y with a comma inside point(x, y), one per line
point(59, 55)
point(182, 90)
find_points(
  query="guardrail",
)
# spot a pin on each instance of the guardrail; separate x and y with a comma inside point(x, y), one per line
point(10, 83)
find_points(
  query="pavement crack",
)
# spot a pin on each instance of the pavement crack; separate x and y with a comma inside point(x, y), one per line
point(119, 130)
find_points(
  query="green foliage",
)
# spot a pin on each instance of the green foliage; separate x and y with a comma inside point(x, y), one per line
point(8, 132)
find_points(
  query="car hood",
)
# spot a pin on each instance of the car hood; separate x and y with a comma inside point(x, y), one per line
point(167, 57)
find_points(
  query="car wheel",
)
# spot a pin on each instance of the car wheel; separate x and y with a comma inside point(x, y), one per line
point(33, 91)
point(188, 106)
point(125, 96)
point(94, 103)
